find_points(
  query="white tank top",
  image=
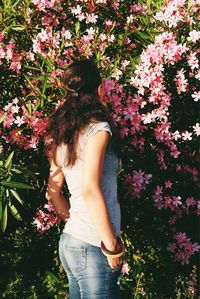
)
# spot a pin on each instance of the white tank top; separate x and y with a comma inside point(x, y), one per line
point(80, 224)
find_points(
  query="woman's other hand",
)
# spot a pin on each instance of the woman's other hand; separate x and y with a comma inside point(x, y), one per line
point(114, 262)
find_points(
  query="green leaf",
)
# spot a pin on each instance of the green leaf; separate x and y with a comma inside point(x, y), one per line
point(4, 219)
point(52, 277)
point(77, 27)
point(2, 117)
point(2, 190)
point(148, 3)
point(8, 160)
point(44, 60)
point(15, 212)
point(31, 67)
point(18, 28)
point(29, 81)
point(13, 184)
point(16, 2)
point(16, 170)
point(16, 195)
point(0, 210)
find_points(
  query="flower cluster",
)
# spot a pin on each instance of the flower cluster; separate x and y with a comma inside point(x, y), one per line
point(182, 249)
point(21, 127)
point(9, 54)
point(173, 13)
point(45, 220)
point(178, 205)
point(138, 182)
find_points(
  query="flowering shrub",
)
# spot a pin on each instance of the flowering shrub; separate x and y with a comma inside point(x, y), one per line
point(44, 221)
point(149, 58)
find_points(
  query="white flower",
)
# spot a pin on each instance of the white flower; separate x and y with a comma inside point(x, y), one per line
point(196, 96)
point(125, 63)
point(194, 36)
point(77, 10)
point(186, 136)
point(197, 129)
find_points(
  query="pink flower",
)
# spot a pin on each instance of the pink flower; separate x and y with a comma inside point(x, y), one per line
point(137, 182)
point(190, 201)
point(171, 247)
point(66, 33)
point(168, 184)
point(125, 269)
point(194, 36)
point(8, 121)
point(177, 201)
point(19, 120)
point(181, 82)
point(138, 8)
point(124, 132)
point(91, 18)
point(192, 60)
point(196, 96)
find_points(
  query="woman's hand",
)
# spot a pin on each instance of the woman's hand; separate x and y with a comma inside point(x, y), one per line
point(114, 262)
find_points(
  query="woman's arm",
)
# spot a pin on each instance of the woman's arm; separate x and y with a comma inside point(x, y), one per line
point(91, 190)
point(54, 191)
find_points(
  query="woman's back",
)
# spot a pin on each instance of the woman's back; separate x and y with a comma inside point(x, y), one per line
point(80, 223)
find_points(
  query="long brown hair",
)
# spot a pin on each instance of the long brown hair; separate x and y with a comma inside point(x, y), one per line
point(82, 105)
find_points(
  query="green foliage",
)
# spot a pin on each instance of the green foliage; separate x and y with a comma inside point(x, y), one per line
point(9, 197)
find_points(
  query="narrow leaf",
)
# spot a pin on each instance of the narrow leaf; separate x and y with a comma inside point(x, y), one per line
point(44, 60)
point(4, 219)
point(77, 27)
point(0, 210)
point(15, 212)
point(31, 67)
point(16, 195)
point(13, 184)
point(8, 160)
point(18, 28)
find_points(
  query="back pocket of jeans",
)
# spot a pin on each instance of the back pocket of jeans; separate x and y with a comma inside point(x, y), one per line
point(76, 258)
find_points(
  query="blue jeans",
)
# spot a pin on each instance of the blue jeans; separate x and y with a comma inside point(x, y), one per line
point(88, 271)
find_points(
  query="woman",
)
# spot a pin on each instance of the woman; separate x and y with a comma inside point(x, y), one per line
point(86, 157)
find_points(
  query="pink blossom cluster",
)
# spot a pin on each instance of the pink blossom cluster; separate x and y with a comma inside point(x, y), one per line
point(137, 182)
point(9, 54)
point(43, 4)
point(131, 121)
point(126, 111)
point(182, 249)
point(173, 13)
point(138, 8)
point(45, 220)
point(181, 81)
point(150, 81)
point(165, 199)
point(47, 43)
point(162, 201)
point(149, 73)
point(18, 120)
